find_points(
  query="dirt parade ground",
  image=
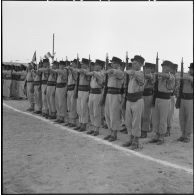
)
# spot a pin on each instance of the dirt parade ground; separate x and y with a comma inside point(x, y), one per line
point(42, 157)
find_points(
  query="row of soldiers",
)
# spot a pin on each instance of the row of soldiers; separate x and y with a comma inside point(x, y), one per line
point(119, 93)
point(13, 81)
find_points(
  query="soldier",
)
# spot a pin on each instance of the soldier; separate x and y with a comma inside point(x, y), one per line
point(61, 92)
point(149, 69)
point(50, 92)
point(166, 84)
point(7, 81)
point(30, 87)
point(186, 107)
point(95, 97)
point(172, 105)
point(37, 90)
point(21, 81)
point(45, 75)
point(71, 101)
point(83, 95)
point(114, 99)
point(135, 104)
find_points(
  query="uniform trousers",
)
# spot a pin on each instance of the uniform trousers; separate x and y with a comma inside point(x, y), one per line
point(133, 117)
point(72, 106)
point(50, 94)
point(44, 99)
point(38, 98)
point(82, 106)
point(113, 111)
point(186, 117)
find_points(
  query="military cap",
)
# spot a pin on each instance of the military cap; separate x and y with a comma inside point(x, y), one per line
point(149, 65)
point(85, 61)
point(116, 60)
point(74, 61)
point(45, 60)
point(100, 62)
point(67, 63)
point(62, 62)
point(56, 63)
point(167, 63)
point(138, 58)
point(92, 63)
point(191, 65)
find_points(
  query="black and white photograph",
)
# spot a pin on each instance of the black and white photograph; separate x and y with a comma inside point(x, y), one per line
point(97, 97)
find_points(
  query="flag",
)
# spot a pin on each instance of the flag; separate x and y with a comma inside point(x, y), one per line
point(34, 58)
point(48, 55)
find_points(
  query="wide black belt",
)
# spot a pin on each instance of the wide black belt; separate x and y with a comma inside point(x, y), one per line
point(30, 81)
point(113, 90)
point(44, 82)
point(51, 83)
point(83, 88)
point(163, 95)
point(36, 83)
point(60, 85)
point(7, 78)
point(95, 91)
point(148, 92)
point(71, 87)
point(187, 96)
point(133, 97)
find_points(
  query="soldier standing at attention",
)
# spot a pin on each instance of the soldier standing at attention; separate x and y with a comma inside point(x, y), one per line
point(7, 81)
point(186, 108)
point(166, 84)
point(135, 103)
point(114, 99)
point(172, 105)
point(37, 90)
point(51, 87)
point(149, 69)
point(96, 85)
point(30, 87)
point(45, 75)
point(61, 91)
point(83, 95)
point(71, 101)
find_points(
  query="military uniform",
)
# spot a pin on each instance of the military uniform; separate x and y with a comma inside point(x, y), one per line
point(148, 98)
point(50, 93)
point(44, 79)
point(172, 105)
point(61, 93)
point(94, 98)
point(186, 107)
point(37, 92)
point(114, 99)
point(21, 82)
point(71, 100)
point(135, 104)
point(7, 81)
point(30, 88)
point(83, 96)
point(166, 84)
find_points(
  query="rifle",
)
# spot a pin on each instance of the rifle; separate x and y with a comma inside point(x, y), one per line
point(178, 101)
point(126, 81)
point(156, 82)
point(103, 100)
point(78, 78)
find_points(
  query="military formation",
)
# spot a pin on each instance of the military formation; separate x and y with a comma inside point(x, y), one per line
point(13, 80)
point(118, 95)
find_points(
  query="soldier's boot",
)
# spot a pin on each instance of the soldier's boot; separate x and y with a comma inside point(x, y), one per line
point(143, 134)
point(168, 132)
point(61, 119)
point(186, 140)
point(161, 140)
point(96, 132)
point(155, 139)
point(128, 143)
point(180, 139)
point(135, 143)
point(107, 137)
point(83, 127)
point(113, 137)
point(56, 121)
point(53, 115)
point(78, 127)
point(90, 132)
point(67, 124)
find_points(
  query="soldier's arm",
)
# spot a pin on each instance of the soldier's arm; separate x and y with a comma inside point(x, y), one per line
point(171, 82)
point(99, 77)
point(116, 73)
point(139, 77)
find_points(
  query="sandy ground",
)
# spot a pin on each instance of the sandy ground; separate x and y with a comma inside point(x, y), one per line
point(38, 158)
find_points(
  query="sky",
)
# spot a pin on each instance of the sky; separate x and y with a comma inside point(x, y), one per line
point(97, 28)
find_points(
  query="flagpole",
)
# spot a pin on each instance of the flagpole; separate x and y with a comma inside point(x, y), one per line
point(53, 48)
